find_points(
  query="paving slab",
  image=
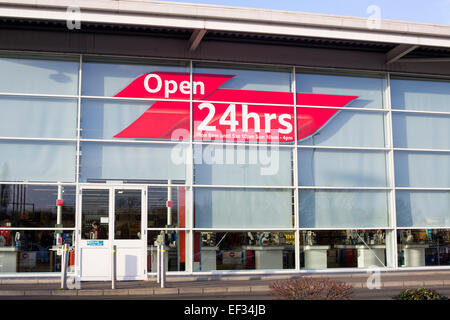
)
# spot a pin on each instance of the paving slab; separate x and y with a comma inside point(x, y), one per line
point(90, 292)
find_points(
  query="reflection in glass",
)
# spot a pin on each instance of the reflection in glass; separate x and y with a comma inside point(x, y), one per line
point(41, 76)
point(131, 120)
point(243, 208)
point(108, 79)
point(95, 214)
point(244, 250)
point(349, 129)
point(342, 168)
point(34, 251)
point(128, 213)
point(176, 249)
point(240, 165)
point(343, 208)
point(35, 117)
point(132, 161)
point(259, 79)
point(420, 94)
point(370, 90)
point(343, 249)
point(37, 161)
point(166, 207)
point(422, 208)
point(435, 132)
point(35, 206)
point(422, 169)
point(423, 247)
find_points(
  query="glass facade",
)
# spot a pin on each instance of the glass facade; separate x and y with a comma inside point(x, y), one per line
point(243, 167)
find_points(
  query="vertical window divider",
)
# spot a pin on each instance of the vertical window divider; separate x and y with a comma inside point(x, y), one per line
point(295, 173)
point(391, 241)
point(190, 177)
point(77, 174)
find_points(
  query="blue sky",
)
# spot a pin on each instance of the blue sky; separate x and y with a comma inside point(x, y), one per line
point(429, 11)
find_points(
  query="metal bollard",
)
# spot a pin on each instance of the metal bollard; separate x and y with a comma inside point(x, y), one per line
point(64, 259)
point(158, 263)
point(163, 266)
point(113, 267)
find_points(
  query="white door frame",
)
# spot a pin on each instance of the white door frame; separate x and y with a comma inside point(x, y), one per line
point(136, 243)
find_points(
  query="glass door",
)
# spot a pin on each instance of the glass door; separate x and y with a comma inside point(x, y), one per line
point(108, 216)
point(128, 220)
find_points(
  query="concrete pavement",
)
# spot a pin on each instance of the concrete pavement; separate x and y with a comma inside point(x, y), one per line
point(213, 285)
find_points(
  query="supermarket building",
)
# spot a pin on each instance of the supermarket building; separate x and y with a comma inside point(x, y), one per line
point(246, 140)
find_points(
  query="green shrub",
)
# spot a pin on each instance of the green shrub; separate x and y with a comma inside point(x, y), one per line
point(311, 289)
point(419, 294)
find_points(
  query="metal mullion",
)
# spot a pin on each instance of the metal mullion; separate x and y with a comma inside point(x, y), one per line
point(422, 188)
point(391, 170)
point(36, 228)
point(245, 102)
point(167, 229)
point(216, 186)
point(422, 150)
point(344, 148)
point(133, 99)
point(93, 185)
point(342, 188)
point(346, 228)
point(422, 112)
point(135, 141)
point(241, 144)
point(295, 173)
point(78, 196)
point(344, 108)
point(78, 151)
point(190, 168)
point(424, 227)
point(234, 229)
point(38, 139)
point(38, 95)
point(38, 183)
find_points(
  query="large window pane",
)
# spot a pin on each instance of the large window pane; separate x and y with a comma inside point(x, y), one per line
point(37, 161)
point(343, 209)
point(422, 170)
point(343, 249)
point(254, 79)
point(239, 165)
point(370, 90)
point(176, 250)
point(132, 161)
point(127, 214)
point(166, 207)
point(162, 120)
point(423, 208)
point(38, 117)
point(420, 94)
point(427, 247)
point(243, 208)
point(42, 76)
point(434, 132)
point(349, 128)
point(108, 79)
point(35, 251)
point(342, 168)
point(95, 214)
point(244, 250)
point(35, 206)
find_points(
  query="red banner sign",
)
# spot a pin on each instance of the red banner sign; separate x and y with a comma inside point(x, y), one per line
point(225, 114)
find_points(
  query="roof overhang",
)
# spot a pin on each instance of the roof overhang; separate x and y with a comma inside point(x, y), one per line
point(399, 37)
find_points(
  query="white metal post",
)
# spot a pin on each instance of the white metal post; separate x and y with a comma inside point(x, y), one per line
point(113, 271)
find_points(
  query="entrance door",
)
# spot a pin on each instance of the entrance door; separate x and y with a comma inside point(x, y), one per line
point(112, 215)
